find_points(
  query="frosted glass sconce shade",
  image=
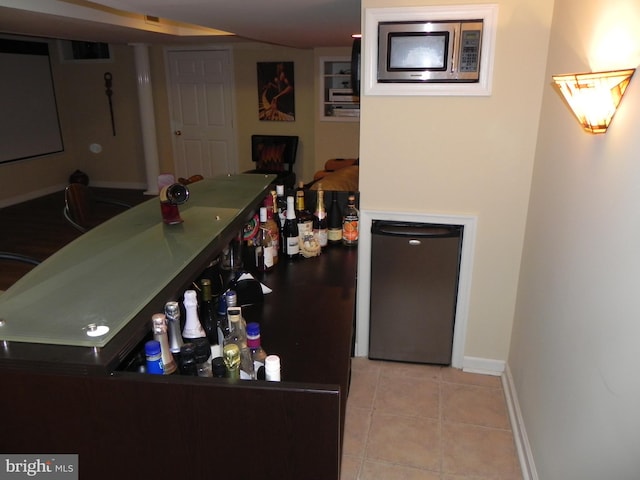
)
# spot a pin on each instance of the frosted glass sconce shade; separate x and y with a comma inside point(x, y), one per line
point(594, 97)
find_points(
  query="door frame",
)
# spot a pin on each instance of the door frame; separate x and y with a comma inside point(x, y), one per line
point(233, 151)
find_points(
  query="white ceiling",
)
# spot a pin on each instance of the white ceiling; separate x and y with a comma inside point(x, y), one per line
point(295, 23)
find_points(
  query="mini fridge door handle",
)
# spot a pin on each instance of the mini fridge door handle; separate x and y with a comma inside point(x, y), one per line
point(414, 242)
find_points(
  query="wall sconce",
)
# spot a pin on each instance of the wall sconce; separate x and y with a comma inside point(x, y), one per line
point(594, 97)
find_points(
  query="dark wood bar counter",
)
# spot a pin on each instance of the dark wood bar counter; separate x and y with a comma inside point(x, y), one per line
point(124, 424)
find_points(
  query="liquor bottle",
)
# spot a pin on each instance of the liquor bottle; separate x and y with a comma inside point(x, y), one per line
point(172, 312)
point(192, 326)
point(170, 197)
point(272, 368)
point(208, 316)
point(350, 223)
point(290, 233)
point(334, 222)
point(264, 248)
point(221, 319)
point(238, 336)
point(255, 345)
point(273, 223)
point(159, 326)
point(188, 360)
point(303, 216)
point(320, 225)
point(281, 203)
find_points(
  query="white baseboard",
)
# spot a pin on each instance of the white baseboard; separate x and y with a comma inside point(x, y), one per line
point(485, 366)
point(31, 195)
point(523, 448)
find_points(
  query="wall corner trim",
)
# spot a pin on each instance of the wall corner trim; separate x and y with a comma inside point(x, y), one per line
point(523, 448)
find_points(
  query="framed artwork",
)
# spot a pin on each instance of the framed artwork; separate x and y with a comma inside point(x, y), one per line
point(276, 99)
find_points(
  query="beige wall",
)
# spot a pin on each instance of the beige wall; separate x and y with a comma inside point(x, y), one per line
point(468, 156)
point(574, 352)
point(245, 58)
point(84, 119)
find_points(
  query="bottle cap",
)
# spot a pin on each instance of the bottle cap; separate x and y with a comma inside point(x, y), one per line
point(202, 349)
point(280, 190)
point(172, 310)
point(159, 319)
point(152, 347)
point(272, 363)
point(222, 305)
point(272, 368)
point(232, 298)
point(263, 214)
point(253, 329)
point(234, 314)
point(187, 352)
point(217, 365)
point(190, 298)
point(253, 335)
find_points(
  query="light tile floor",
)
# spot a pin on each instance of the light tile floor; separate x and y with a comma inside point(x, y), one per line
point(425, 422)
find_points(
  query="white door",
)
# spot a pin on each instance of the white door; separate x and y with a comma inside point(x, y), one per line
point(201, 92)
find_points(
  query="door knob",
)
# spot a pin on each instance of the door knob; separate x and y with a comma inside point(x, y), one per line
point(178, 132)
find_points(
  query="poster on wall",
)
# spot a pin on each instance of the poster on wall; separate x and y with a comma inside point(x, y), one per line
point(276, 100)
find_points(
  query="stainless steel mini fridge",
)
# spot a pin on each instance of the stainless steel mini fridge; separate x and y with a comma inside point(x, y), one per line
point(414, 285)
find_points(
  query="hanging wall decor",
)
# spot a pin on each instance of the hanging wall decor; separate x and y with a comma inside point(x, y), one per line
point(276, 100)
point(108, 84)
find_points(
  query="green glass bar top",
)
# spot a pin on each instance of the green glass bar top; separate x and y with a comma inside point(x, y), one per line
point(84, 294)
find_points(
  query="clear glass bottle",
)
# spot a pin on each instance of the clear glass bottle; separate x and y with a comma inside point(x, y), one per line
point(238, 336)
point(320, 225)
point(255, 345)
point(264, 248)
point(334, 222)
point(192, 326)
point(281, 203)
point(290, 233)
point(273, 224)
point(350, 224)
point(159, 326)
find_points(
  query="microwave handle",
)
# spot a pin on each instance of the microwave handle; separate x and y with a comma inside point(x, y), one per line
point(453, 48)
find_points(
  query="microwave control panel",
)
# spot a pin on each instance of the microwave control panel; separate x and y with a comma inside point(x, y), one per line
point(470, 50)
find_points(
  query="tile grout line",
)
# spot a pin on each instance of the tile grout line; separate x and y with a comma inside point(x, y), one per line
point(371, 410)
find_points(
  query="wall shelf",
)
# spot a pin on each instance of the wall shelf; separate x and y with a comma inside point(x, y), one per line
point(337, 103)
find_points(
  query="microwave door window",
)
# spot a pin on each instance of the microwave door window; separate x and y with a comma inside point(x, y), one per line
point(418, 52)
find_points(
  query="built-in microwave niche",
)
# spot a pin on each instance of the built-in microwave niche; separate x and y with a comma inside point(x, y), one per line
point(455, 72)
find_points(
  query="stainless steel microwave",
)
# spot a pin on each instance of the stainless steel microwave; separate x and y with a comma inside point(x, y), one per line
point(429, 51)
